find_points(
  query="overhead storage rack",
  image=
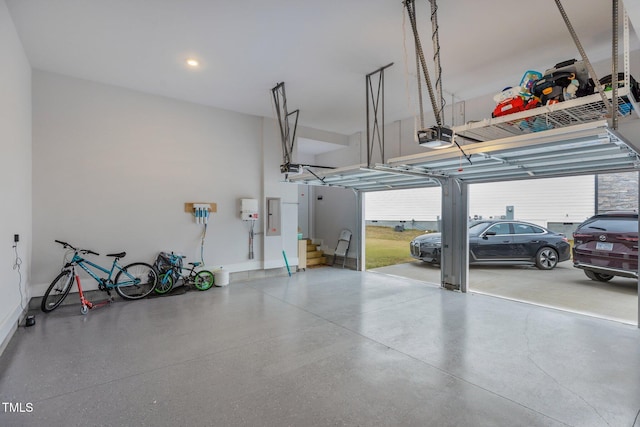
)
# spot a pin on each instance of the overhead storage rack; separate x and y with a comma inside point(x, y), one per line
point(560, 115)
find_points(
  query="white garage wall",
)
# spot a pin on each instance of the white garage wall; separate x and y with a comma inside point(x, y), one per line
point(338, 207)
point(15, 172)
point(113, 169)
point(335, 209)
point(274, 186)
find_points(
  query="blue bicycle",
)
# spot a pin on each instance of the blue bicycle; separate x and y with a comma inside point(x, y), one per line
point(133, 281)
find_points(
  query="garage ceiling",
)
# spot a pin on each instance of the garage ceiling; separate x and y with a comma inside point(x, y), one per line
point(321, 49)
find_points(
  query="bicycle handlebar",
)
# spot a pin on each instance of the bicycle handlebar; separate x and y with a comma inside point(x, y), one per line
point(178, 256)
point(84, 251)
point(65, 244)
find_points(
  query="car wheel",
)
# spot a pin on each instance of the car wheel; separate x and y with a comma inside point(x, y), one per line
point(598, 277)
point(546, 258)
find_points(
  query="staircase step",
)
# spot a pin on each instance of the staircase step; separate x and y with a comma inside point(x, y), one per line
point(314, 254)
point(317, 261)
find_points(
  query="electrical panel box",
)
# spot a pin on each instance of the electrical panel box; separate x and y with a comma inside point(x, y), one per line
point(274, 220)
point(248, 209)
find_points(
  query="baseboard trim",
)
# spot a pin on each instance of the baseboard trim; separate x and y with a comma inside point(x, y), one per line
point(10, 326)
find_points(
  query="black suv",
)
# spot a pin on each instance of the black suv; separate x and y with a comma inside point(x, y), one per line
point(606, 245)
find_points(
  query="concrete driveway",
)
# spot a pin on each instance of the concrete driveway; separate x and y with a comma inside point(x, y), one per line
point(564, 287)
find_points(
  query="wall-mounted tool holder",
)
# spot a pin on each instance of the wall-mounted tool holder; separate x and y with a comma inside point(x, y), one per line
point(200, 211)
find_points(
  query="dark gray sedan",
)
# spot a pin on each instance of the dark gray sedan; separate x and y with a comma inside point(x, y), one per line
point(499, 242)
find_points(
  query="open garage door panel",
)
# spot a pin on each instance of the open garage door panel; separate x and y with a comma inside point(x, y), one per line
point(585, 149)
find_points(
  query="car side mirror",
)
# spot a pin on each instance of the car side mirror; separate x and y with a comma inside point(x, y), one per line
point(488, 233)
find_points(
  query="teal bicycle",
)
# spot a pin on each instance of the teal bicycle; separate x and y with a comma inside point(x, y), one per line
point(172, 273)
point(133, 281)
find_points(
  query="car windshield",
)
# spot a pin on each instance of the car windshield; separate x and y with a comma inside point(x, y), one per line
point(476, 229)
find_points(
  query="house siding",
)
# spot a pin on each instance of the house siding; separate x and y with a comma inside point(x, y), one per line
point(558, 200)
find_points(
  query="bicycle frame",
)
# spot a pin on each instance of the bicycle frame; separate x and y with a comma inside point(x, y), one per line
point(180, 270)
point(190, 274)
point(107, 283)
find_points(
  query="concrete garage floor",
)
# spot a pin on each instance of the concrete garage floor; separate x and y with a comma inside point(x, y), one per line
point(325, 347)
point(564, 287)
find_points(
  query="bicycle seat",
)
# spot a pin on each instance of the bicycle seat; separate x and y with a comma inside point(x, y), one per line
point(195, 264)
point(118, 255)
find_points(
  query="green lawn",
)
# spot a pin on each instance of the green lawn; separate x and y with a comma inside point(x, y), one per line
point(384, 246)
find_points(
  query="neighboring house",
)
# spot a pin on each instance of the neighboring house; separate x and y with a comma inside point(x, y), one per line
point(558, 203)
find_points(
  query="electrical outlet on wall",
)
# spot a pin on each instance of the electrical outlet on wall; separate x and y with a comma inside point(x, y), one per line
point(16, 238)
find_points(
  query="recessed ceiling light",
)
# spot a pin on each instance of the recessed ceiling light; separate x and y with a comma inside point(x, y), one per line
point(192, 62)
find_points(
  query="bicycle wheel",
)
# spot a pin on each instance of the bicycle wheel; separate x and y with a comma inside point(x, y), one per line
point(165, 283)
point(57, 291)
point(136, 280)
point(203, 280)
